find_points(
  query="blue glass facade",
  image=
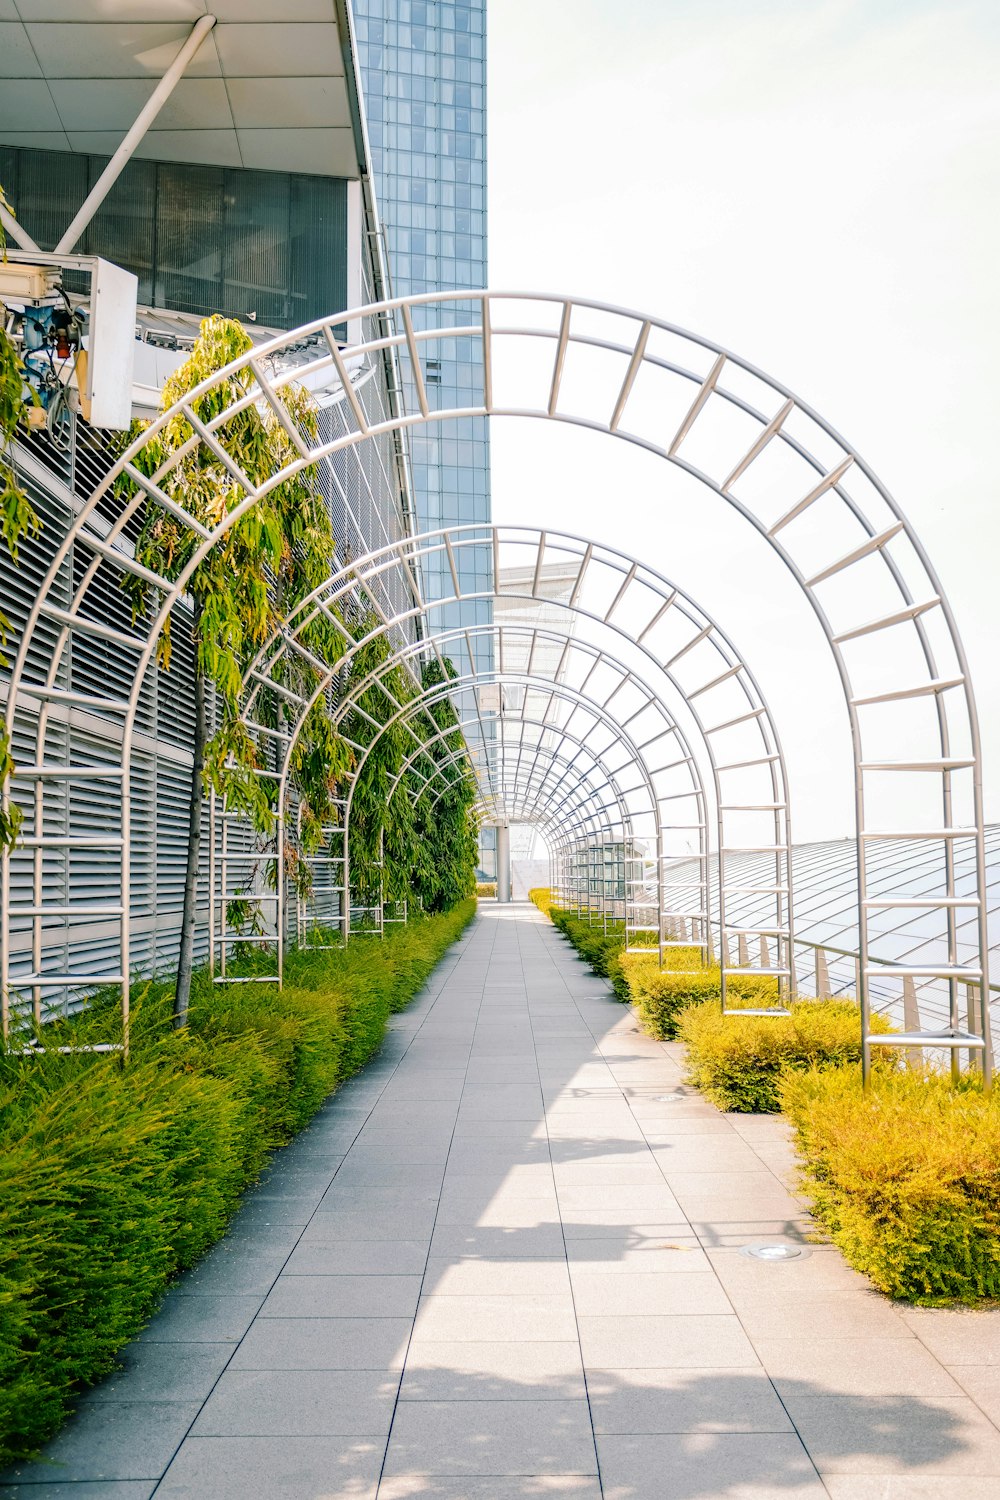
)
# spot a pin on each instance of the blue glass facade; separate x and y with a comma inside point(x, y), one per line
point(423, 68)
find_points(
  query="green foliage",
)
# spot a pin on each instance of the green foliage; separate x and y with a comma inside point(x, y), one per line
point(905, 1177)
point(486, 888)
point(542, 897)
point(738, 1061)
point(596, 945)
point(18, 518)
point(662, 995)
point(112, 1180)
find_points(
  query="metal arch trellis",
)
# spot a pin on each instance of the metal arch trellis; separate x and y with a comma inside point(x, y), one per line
point(673, 634)
point(644, 787)
point(769, 456)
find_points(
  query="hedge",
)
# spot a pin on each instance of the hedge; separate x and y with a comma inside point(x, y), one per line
point(661, 995)
point(905, 1178)
point(113, 1179)
point(738, 1062)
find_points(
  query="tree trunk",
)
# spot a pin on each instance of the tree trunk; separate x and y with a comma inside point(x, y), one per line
point(185, 957)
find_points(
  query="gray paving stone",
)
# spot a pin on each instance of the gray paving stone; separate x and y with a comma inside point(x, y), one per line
point(497, 1370)
point(665, 1342)
point(343, 1297)
point(854, 1366)
point(491, 1437)
point(519, 1318)
point(358, 1258)
point(111, 1441)
point(215, 1319)
point(491, 1487)
point(739, 1466)
point(324, 1344)
point(299, 1403)
point(895, 1434)
point(274, 1468)
point(662, 1401)
point(164, 1372)
point(641, 1293)
point(101, 1489)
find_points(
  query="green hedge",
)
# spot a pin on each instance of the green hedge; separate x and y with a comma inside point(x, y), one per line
point(739, 1061)
point(905, 1177)
point(661, 995)
point(114, 1179)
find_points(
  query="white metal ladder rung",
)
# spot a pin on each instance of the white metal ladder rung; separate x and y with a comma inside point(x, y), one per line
point(899, 617)
point(923, 971)
point(777, 932)
point(828, 482)
point(926, 1039)
point(755, 890)
point(743, 765)
point(921, 690)
point(872, 545)
point(62, 841)
point(93, 627)
point(74, 699)
point(58, 981)
point(926, 833)
point(757, 849)
point(43, 772)
point(751, 806)
point(919, 903)
point(67, 911)
point(755, 713)
point(946, 764)
point(767, 973)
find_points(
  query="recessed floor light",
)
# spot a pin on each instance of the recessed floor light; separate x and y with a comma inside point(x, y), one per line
point(668, 1098)
point(775, 1252)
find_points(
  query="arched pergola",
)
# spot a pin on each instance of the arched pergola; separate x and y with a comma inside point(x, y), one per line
point(780, 469)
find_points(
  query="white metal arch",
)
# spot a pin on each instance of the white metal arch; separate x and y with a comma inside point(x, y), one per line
point(691, 657)
point(769, 456)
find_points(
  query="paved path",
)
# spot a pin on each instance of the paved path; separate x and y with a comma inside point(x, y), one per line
point(505, 1263)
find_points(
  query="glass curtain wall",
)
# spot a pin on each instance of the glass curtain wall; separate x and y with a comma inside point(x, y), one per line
point(423, 68)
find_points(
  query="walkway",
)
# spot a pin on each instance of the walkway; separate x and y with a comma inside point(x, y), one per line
point(505, 1262)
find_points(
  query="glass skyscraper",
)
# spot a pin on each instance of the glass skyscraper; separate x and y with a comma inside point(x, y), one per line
point(423, 66)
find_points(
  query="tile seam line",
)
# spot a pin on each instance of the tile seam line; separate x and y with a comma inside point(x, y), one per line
point(302, 1229)
point(562, 1227)
point(430, 1238)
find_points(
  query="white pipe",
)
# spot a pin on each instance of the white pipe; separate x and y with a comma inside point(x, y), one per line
point(15, 231)
point(144, 119)
point(503, 862)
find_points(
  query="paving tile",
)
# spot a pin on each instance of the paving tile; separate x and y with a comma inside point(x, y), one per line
point(854, 1366)
point(847, 1315)
point(408, 1222)
point(982, 1383)
point(358, 1258)
point(324, 1344)
point(449, 1277)
point(491, 1437)
point(494, 1242)
point(343, 1297)
point(739, 1466)
point(518, 1318)
point(163, 1372)
point(659, 1401)
point(909, 1487)
point(490, 1487)
point(274, 1468)
point(665, 1342)
point(101, 1489)
point(493, 1370)
point(634, 1294)
point(895, 1434)
point(111, 1440)
point(299, 1403)
point(957, 1337)
point(216, 1319)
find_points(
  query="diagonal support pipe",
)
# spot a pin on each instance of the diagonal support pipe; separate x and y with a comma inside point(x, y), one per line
point(126, 150)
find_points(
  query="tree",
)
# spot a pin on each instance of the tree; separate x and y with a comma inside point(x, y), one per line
point(267, 560)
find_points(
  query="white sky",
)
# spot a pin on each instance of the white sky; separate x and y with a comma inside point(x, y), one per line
point(813, 183)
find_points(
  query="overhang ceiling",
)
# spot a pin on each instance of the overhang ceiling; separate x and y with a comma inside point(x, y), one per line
point(267, 88)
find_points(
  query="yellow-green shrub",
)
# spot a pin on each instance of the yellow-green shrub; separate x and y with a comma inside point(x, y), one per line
point(542, 897)
point(736, 1061)
point(905, 1177)
point(486, 888)
point(661, 995)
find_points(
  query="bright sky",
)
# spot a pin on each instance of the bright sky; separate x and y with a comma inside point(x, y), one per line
point(813, 183)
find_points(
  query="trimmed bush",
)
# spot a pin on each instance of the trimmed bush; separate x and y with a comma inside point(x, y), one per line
point(542, 897)
point(737, 1061)
point(113, 1179)
point(905, 1177)
point(486, 888)
point(661, 995)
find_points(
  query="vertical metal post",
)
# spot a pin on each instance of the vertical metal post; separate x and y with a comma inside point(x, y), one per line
point(503, 862)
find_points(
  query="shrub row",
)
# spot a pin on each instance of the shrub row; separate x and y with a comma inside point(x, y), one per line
point(739, 1062)
point(905, 1177)
point(661, 996)
point(113, 1179)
